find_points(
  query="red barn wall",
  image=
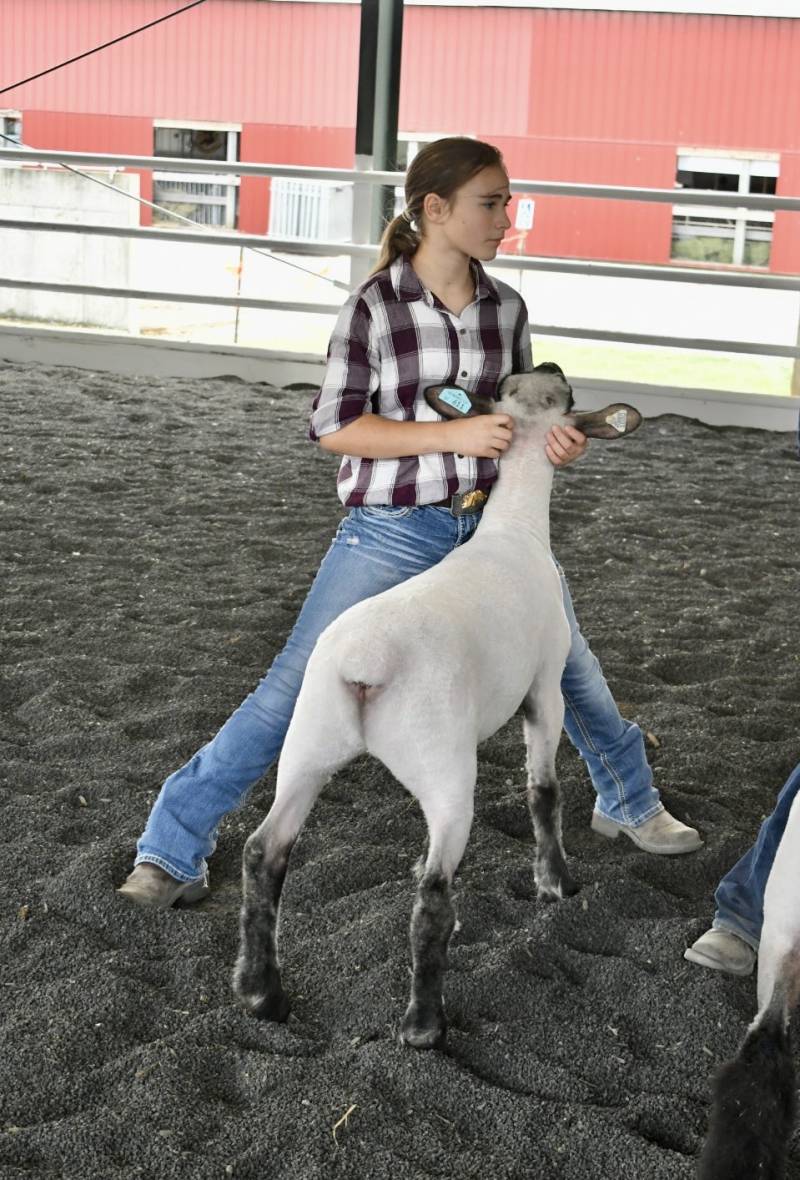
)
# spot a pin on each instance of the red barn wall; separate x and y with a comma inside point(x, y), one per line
point(586, 96)
point(94, 133)
point(785, 255)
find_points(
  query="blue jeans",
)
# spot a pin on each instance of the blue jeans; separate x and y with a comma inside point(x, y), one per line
point(740, 893)
point(374, 548)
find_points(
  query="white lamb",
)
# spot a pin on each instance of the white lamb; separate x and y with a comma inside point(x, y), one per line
point(755, 1099)
point(418, 676)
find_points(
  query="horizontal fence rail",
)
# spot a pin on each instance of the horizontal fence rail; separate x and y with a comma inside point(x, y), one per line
point(750, 347)
point(625, 270)
point(672, 196)
point(170, 296)
point(271, 244)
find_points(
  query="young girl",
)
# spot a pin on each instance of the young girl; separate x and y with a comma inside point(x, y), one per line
point(429, 314)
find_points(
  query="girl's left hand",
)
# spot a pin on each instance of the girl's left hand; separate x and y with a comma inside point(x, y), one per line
point(564, 445)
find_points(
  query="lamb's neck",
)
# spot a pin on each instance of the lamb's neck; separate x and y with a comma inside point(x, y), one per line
point(521, 496)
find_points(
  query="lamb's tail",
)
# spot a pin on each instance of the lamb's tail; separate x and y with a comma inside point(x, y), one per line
point(367, 665)
point(345, 672)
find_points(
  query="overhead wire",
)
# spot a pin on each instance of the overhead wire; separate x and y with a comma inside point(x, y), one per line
point(132, 196)
point(105, 45)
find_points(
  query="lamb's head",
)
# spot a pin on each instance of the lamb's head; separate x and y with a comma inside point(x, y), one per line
point(536, 400)
point(540, 398)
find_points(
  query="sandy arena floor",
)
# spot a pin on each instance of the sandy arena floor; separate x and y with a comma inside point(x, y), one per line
point(158, 538)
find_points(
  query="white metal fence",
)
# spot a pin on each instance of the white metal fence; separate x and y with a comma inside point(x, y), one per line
point(302, 225)
point(310, 209)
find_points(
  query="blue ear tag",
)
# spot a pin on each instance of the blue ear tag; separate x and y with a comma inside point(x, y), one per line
point(452, 396)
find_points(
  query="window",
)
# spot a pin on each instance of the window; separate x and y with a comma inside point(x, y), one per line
point(208, 200)
point(11, 128)
point(317, 209)
point(734, 236)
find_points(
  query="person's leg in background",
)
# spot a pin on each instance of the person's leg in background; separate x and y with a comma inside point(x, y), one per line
point(732, 942)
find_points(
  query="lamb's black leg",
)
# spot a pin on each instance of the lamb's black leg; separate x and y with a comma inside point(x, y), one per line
point(753, 1109)
point(544, 713)
point(553, 880)
point(257, 980)
point(432, 922)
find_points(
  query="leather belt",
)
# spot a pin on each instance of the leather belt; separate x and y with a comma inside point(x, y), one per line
point(463, 503)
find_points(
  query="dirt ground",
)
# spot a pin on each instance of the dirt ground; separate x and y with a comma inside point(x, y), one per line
point(158, 538)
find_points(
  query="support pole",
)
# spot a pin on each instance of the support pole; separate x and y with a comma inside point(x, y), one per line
point(376, 120)
point(387, 104)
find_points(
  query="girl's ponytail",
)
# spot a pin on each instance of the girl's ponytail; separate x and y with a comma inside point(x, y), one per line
point(399, 237)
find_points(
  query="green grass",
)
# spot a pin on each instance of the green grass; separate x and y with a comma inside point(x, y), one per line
point(679, 368)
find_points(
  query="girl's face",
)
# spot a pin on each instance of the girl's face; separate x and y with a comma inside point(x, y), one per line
point(475, 220)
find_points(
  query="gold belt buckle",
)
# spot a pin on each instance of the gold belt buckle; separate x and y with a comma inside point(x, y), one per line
point(466, 502)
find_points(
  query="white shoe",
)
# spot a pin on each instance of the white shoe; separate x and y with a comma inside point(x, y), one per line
point(663, 834)
point(722, 951)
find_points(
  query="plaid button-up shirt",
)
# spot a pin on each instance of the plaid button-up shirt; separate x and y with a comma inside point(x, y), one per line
point(393, 339)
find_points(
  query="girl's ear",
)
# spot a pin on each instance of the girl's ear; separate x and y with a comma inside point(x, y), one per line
point(451, 401)
point(435, 208)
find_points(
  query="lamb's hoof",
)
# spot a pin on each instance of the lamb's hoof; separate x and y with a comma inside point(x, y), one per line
point(556, 888)
point(263, 998)
point(259, 990)
point(274, 1006)
point(421, 1033)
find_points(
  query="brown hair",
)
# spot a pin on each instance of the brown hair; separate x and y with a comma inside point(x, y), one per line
point(441, 167)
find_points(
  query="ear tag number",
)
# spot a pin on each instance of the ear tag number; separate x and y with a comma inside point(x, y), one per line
point(456, 398)
point(619, 420)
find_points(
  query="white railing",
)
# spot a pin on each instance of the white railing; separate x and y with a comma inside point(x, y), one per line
point(551, 188)
point(366, 251)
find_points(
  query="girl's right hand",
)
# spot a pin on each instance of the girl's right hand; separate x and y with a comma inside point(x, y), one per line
point(486, 436)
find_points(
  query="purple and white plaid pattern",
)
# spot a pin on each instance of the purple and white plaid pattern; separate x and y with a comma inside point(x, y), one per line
point(393, 339)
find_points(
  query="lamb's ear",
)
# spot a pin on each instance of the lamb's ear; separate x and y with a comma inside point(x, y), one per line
point(612, 422)
point(451, 401)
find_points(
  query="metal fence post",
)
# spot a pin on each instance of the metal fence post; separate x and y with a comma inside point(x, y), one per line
point(376, 120)
point(387, 105)
point(363, 195)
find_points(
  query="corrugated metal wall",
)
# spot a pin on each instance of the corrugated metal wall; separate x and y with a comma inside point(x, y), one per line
point(289, 64)
point(567, 74)
point(596, 96)
point(467, 70)
point(663, 77)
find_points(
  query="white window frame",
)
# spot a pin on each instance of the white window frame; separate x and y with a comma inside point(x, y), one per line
point(743, 164)
point(230, 183)
point(9, 114)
